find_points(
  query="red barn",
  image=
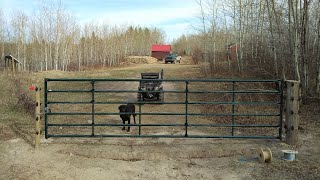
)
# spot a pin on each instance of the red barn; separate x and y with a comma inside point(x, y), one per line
point(160, 51)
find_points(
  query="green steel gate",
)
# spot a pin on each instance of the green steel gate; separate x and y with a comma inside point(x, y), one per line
point(188, 93)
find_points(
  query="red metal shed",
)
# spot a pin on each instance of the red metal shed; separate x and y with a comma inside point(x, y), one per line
point(159, 51)
point(233, 49)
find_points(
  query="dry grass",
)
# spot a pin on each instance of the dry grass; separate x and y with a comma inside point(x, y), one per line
point(185, 71)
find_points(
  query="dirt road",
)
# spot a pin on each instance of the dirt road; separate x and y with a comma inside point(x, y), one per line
point(151, 158)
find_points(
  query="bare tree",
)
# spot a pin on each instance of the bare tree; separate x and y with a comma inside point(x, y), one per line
point(318, 48)
point(19, 25)
point(304, 26)
point(273, 47)
point(204, 33)
point(2, 32)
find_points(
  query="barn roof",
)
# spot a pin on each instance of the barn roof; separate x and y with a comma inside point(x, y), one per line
point(162, 48)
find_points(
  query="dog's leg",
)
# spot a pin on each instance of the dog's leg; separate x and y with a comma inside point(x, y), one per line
point(129, 124)
point(124, 122)
point(134, 118)
point(134, 113)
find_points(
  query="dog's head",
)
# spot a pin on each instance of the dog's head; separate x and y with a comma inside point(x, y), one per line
point(122, 108)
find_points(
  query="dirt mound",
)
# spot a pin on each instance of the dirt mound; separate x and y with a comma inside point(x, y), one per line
point(140, 60)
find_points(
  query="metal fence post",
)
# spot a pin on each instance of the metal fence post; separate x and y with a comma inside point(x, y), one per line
point(92, 107)
point(139, 119)
point(46, 108)
point(233, 99)
point(281, 109)
point(186, 103)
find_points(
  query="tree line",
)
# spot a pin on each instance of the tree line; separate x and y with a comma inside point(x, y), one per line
point(52, 39)
point(275, 39)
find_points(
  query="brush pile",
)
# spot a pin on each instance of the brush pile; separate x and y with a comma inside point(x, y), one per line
point(139, 60)
point(24, 100)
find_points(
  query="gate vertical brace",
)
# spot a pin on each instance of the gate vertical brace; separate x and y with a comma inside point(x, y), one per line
point(281, 83)
point(186, 113)
point(92, 106)
point(46, 108)
point(139, 119)
point(233, 99)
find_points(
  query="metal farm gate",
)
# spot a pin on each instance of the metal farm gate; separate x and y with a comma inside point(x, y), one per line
point(209, 108)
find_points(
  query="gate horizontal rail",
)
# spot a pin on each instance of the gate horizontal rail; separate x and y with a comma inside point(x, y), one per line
point(186, 102)
point(163, 114)
point(133, 91)
point(190, 125)
point(158, 136)
point(167, 80)
point(134, 102)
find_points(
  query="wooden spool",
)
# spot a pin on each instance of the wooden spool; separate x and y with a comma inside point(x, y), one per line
point(265, 156)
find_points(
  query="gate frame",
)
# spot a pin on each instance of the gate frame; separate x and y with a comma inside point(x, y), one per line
point(279, 83)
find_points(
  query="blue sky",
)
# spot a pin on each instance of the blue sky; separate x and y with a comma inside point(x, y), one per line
point(173, 16)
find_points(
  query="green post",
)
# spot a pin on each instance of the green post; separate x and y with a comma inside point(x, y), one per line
point(139, 119)
point(233, 99)
point(46, 107)
point(92, 102)
point(186, 103)
point(281, 109)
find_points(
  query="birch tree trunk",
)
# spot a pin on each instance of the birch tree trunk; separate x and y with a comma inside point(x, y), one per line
point(296, 38)
point(2, 40)
point(204, 34)
point(283, 75)
point(318, 51)
point(273, 48)
point(304, 25)
point(240, 50)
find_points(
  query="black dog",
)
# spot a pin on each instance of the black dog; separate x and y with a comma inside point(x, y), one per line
point(130, 110)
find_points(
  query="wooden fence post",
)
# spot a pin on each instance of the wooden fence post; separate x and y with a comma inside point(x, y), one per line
point(38, 118)
point(292, 111)
point(13, 68)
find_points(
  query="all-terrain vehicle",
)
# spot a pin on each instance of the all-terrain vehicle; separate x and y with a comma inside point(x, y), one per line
point(172, 58)
point(151, 89)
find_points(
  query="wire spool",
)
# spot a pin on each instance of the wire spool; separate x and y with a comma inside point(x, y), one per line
point(289, 155)
point(265, 156)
